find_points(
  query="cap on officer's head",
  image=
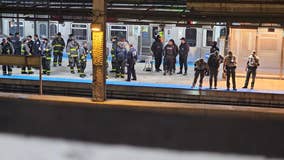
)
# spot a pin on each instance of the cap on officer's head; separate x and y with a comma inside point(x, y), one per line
point(59, 34)
point(182, 39)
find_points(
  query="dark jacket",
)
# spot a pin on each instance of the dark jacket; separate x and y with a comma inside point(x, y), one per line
point(157, 48)
point(131, 56)
point(58, 45)
point(121, 54)
point(17, 45)
point(183, 50)
point(36, 46)
point(7, 48)
point(214, 61)
point(170, 51)
point(213, 49)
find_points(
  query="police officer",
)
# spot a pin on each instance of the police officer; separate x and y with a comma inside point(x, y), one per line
point(200, 68)
point(30, 44)
point(72, 50)
point(26, 51)
point(120, 56)
point(230, 65)
point(131, 60)
point(36, 45)
point(214, 61)
point(157, 49)
point(6, 49)
point(45, 51)
point(252, 64)
point(83, 52)
point(183, 54)
point(113, 54)
point(170, 53)
point(58, 47)
point(17, 43)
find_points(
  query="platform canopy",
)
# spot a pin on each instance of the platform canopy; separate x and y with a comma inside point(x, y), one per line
point(151, 11)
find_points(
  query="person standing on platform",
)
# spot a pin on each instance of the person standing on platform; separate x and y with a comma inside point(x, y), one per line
point(120, 56)
point(30, 43)
point(214, 61)
point(113, 54)
point(252, 64)
point(157, 50)
point(83, 52)
point(26, 51)
point(200, 68)
point(214, 47)
point(17, 43)
point(36, 45)
point(45, 51)
point(58, 45)
point(230, 65)
point(131, 60)
point(183, 54)
point(170, 53)
point(70, 37)
point(176, 53)
point(72, 50)
point(6, 49)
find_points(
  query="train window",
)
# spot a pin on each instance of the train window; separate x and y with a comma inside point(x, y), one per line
point(190, 35)
point(13, 28)
point(42, 30)
point(209, 37)
point(118, 31)
point(52, 29)
point(79, 31)
point(223, 32)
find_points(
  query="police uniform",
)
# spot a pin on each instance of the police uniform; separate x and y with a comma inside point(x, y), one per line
point(170, 53)
point(183, 54)
point(200, 68)
point(157, 49)
point(26, 51)
point(131, 60)
point(72, 50)
point(252, 64)
point(230, 66)
point(6, 49)
point(214, 61)
point(45, 51)
point(58, 45)
point(83, 52)
point(121, 53)
point(36, 46)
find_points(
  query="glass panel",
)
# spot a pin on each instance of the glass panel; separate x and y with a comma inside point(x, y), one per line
point(80, 34)
point(190, 36)
point(209, 37)
point(52, 30)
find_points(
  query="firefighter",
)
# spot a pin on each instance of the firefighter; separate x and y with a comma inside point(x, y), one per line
point(6, 49)
point(83, 52)
point(120, 56)
point(252, 64)
point(157, 49)
point(26, 51)
point(45, 51)
point(58, 45)
point(183, 54)
point(214, 61)
point(230, 65)
point(200, 68)
point(36, 45)
point(72, 50)
point(170, 53)
point(71, 36)
point(113, 54)
point(131, 60)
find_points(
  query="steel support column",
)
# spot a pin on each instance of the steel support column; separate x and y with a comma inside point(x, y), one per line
point(98, 52)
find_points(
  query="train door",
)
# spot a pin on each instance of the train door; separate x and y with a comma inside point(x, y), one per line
point(80, 31)
point(145, 42)
point(42, 28)
point(269, 49)
point(206, 39)
point(242, 43)
point(53, 29)
point(191, 38)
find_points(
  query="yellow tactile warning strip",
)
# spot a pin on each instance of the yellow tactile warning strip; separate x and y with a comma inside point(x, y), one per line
point(184, 108)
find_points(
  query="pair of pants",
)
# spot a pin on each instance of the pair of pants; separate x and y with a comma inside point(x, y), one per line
point(250, 72)
point(46, 65)
point(82, 68)
point(213, 75)
point(131, 72)
point(29, 69)
point(113, 63)
point(198, 73)
point(158, 62)
point(7, 69)
point(231, 71)
point(169, 64)
point(57, 59)
point(74, 62)
point(120, 68)
point(183, 63)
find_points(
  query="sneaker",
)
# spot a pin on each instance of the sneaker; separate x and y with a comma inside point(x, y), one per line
point(134, 79)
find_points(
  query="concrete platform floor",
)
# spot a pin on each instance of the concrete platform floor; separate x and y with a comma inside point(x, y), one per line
point(154, 77)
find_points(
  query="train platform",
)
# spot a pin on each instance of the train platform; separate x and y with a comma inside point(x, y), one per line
point(183, 127)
